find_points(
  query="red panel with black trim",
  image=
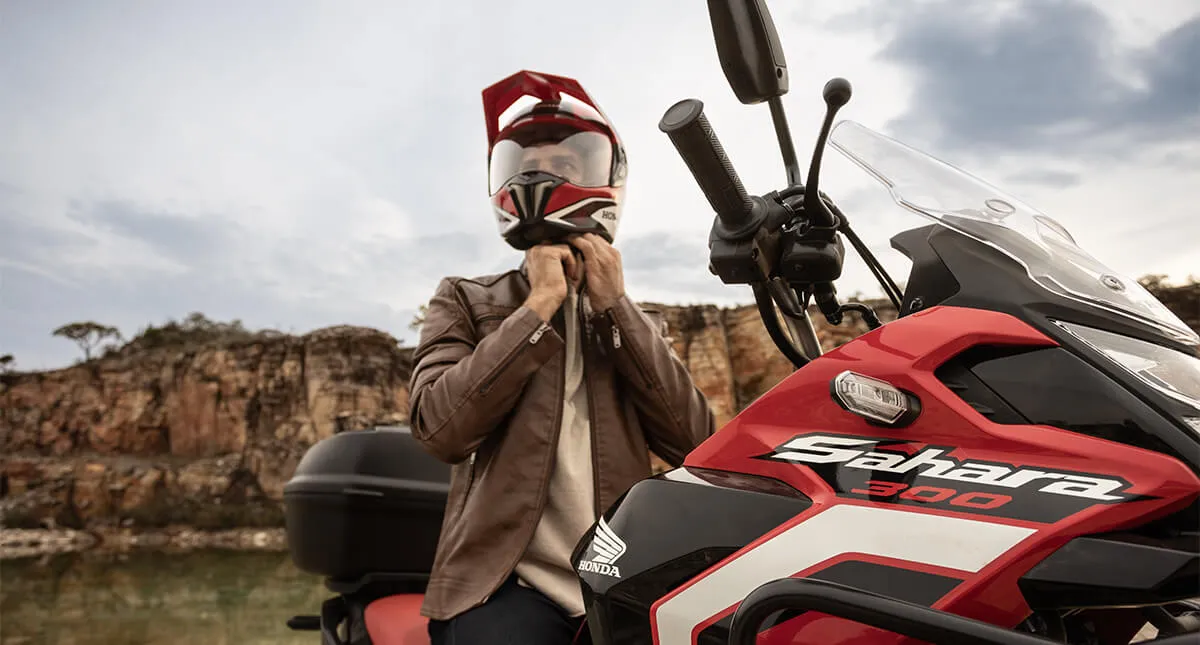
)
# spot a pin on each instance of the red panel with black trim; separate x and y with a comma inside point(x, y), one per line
point(950, 462)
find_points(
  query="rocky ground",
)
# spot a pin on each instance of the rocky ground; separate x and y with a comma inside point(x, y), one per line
point(190, 445)
point(30, 543)
point(205, 435)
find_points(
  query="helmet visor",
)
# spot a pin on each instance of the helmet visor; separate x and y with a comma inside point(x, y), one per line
point(582, 157)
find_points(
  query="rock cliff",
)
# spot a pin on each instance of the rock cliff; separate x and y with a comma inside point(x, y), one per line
point(204, 436)
point(207, 434)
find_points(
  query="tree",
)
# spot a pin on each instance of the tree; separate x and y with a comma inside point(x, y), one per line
point(1153, 281)
point(87, 335)
point(419, 318)
point(6, 363)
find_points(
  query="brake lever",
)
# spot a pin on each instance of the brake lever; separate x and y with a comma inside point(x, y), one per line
point(785, 298)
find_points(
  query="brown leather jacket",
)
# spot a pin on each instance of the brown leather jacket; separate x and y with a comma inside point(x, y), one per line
point(487, 395)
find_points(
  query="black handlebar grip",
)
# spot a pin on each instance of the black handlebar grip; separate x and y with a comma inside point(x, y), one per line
point(696, 142)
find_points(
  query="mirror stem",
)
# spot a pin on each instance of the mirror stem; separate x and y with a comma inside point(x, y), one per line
point(784, 134)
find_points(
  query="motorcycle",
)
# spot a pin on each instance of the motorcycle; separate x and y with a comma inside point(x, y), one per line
point(1014, 460)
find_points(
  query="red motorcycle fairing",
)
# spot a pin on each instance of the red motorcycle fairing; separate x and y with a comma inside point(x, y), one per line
point(965, 507)
point(397, 620)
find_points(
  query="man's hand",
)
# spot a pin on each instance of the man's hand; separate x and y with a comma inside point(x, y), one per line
point(549, 266)
point(605, 279)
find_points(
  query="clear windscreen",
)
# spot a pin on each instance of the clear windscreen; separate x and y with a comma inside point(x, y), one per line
point(967, 204)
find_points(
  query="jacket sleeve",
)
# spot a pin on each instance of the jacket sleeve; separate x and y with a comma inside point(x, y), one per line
point(674, 411)
point(461, 389)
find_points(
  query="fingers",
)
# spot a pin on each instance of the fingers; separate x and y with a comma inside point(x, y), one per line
point(547, 250)
point(558, 254)
point(585, 246)
point(596, 250)
point(598, 255)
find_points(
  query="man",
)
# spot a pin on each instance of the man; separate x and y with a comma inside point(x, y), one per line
point(543, 386)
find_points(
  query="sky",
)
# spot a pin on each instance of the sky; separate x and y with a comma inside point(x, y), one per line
point(296, 164)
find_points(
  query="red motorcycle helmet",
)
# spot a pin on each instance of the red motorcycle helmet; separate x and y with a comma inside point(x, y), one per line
point(555, 168)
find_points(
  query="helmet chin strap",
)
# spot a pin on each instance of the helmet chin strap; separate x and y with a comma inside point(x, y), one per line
point(580, 282)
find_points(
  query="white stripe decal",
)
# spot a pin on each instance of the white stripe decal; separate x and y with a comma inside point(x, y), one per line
point(966, 545)
point(507, 220)
point(684, 475)
point(563, 212)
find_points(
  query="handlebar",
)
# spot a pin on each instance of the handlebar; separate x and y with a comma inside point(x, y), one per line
point(697, 143)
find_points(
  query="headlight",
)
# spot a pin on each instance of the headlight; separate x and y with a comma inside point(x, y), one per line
point(1171, 372)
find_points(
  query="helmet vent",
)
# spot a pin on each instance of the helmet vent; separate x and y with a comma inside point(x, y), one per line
point(531, 193)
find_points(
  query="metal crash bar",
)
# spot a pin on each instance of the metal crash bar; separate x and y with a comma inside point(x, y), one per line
point(901, 617)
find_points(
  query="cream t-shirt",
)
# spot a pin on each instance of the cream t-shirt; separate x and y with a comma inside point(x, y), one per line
point(569, 510)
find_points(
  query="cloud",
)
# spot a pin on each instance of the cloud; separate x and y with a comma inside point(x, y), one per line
point(1089, 111)
point(34, 305)
point(1038, 75)
point(215, 271)
point(191, 241)
point(672, 266)
point(1048, 177)
point(1173, 87)
point(295, 166)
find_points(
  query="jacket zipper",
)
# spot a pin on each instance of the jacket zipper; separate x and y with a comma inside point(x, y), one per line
point(533, 340)
point(616, 336)
point(472, 457)
point(543, 492)
point(466, 496)
point(538, 333)
point(586, 346)
point(482, 319)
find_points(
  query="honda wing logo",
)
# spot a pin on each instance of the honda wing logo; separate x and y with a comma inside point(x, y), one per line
point(606, 549)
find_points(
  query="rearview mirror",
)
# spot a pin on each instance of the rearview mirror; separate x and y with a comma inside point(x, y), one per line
point(749, 49)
